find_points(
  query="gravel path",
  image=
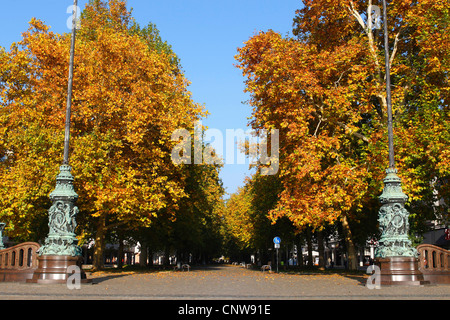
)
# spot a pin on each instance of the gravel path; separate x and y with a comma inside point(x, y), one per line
point(220, 282)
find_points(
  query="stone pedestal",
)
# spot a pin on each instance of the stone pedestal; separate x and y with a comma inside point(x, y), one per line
point(52, 269)
point(400, 271)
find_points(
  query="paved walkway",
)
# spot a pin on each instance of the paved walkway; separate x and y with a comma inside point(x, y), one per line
point(221, 282)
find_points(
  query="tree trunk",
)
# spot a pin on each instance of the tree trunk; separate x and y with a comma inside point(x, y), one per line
point(166, 261)
point(150, 255)
point(120, 254)
point(321, 249)
point(352, 263)
point(309, 242)
point(300, 254)
point(143, 257)
point(99, 248)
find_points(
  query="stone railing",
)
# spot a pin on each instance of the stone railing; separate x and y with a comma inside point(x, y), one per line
point(434, 263)
point(18, 262)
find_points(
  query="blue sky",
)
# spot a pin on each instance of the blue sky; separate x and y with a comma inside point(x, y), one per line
point(205, 34)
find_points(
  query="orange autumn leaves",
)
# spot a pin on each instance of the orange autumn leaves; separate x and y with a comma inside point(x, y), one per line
point(127, 100)
point(320, 181)
point(325, 91)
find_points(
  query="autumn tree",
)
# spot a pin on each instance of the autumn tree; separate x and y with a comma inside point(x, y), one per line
point(246, 223)
point(193, 230)
point(325, 91)
point(264, 191)
point(237, 223)
point(196, 229)
point(128, 98)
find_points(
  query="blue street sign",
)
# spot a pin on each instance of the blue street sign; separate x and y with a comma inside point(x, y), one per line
point(277, 240)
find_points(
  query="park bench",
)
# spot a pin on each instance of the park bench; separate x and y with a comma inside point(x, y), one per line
point(185, 266)
point(17, 264)
point(266, 267)
point(434, 264)
point(182, 267)
point(245, 265)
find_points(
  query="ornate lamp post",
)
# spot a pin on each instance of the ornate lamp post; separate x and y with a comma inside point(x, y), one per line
point(60, 249)
point(395, 255)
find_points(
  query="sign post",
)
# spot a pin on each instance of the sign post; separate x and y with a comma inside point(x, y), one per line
point(276, 242)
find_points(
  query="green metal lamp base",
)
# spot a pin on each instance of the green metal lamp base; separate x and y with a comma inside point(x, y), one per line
point(61, 239)
point(396, 257)
point(393, 220)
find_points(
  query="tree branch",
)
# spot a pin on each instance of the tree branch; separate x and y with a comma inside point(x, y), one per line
point(317, 128)
point(368, 31)
point(394, 51)
point(356, 134)
point(356, 14)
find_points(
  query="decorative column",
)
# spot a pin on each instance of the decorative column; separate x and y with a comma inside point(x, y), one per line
point(395, 255)
point(61, 239)
point(60, 250)
point(397, 259)
point(393, 220)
